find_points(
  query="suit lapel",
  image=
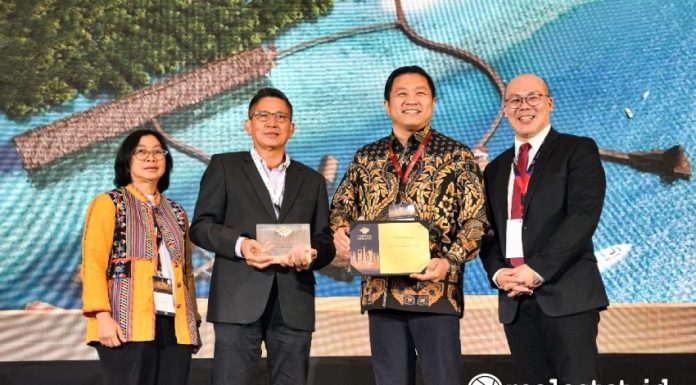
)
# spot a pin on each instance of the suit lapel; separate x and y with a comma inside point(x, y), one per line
point(501, 188)
point(293, 182)
point(252, 174)
point(545, 153)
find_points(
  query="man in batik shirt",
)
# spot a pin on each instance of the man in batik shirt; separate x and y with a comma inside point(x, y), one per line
point(439, 178)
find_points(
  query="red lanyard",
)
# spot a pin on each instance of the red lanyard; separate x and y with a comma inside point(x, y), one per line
point(522, 179)
point(403, 176)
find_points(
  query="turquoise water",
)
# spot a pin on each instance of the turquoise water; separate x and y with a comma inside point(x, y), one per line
point(599, 57)
point(599, 60)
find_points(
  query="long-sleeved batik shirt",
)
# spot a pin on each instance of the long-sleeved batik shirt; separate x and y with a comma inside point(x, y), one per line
point(447, 191)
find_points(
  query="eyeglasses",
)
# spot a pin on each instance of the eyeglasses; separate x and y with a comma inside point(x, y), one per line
point(264, 116)
point(532, 100)
point(143, 154)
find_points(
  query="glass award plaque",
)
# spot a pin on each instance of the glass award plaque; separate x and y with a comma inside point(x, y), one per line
point(282, 237)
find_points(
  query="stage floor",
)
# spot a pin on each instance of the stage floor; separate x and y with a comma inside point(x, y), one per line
point(341, 331)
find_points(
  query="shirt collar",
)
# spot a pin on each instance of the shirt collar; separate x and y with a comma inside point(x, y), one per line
point(141, 196)
point(535, 142)
point(257, 158)
point(413, 141)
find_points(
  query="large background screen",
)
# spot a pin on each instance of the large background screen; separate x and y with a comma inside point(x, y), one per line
point(620, 71)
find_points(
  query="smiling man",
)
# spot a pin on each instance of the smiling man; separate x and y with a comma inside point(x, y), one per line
point(545, 196)
point(437, 179)
point(254, 297)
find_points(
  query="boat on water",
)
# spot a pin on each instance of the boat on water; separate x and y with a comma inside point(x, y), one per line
point(629, 112)
point(612, 255)
point(645, 94)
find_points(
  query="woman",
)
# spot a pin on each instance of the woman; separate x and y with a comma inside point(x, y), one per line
point(138, 288)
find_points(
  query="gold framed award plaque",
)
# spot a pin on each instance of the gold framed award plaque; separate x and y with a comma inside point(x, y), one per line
point(389, 248)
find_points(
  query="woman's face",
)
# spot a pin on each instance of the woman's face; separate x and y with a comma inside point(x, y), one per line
point(148, 161)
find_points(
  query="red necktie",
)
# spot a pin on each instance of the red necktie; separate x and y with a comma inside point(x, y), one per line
point(516, 208)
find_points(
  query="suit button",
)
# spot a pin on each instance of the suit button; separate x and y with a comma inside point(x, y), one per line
point(178, 306)
point(524, 227)
point(178, 284)
point(175, 264)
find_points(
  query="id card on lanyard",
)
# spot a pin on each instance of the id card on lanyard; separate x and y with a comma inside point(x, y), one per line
point(513, 239)
point(403, 210)
point(164, 296)
point(162, 281)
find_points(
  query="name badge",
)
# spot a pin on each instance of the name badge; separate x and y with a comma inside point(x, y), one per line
point(402, 212)
point(513, 243)
point(164, 296)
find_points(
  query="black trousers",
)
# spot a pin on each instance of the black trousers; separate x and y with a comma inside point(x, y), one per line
point(397, 338)
point(544, 347)
point(158, 362)
point(238, 349)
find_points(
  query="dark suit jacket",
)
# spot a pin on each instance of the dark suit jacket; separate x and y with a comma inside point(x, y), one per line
point(562, 208)
point(232, 200)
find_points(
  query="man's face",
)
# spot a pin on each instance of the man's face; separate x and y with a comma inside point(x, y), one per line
point(270, 134)
point(411, 102)
point(527, 120)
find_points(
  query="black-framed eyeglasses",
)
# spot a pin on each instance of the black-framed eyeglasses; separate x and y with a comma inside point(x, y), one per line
point(532, 100)
point(264, 116)
point(143, 154)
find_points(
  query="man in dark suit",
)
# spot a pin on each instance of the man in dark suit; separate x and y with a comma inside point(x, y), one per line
point(545, 197)
point(253, 297)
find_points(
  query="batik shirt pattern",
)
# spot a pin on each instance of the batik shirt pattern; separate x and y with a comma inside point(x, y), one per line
point(447, 191)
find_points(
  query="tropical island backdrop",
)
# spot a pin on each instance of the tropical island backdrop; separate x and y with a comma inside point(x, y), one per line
point(77, 75)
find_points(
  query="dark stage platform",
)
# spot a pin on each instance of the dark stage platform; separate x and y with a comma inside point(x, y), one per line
point(633, 369)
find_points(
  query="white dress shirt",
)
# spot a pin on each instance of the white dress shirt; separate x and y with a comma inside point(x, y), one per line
point(274, 180)
point(536, 143)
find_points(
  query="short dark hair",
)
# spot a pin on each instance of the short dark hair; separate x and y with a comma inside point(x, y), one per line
point(407, 70)
point(122, 175)
point(268, 92)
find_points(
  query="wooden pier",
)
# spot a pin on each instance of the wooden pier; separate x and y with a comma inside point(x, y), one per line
point(672, 162)
point(47, 143)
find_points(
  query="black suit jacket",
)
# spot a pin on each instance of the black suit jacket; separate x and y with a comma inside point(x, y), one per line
point(232, 200)
point(562, 208)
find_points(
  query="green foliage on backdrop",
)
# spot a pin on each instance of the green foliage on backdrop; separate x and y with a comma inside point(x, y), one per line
point(51, 50)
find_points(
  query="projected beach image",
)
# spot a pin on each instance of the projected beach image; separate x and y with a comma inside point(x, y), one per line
point(620, 71)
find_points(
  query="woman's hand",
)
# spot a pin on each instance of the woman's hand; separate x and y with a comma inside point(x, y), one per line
point(108, 331)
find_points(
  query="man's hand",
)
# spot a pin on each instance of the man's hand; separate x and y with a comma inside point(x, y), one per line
point(436, 271)
point(524, 275)
point(256, 254)
point(507, 280)
point(342, 244)
point(108, 331)
point(300, 257)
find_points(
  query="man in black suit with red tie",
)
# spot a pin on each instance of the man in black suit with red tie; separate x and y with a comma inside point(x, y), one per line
point(545, 197)
point(254, 297)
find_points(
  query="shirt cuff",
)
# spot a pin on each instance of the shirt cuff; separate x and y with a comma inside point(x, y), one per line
point(238, 247)
point(541, 279)
point(495, 278)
